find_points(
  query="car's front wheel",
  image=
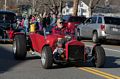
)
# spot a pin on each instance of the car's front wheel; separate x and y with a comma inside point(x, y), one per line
point(19, 46)
point(99, 56)
point(47, 57)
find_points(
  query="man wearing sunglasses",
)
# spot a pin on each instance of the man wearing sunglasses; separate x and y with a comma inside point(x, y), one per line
point(61, 29)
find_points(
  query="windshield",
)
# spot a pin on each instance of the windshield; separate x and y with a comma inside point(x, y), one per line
point(7, 18)
point(112, 20)
point(74, 18)
point(77, 19)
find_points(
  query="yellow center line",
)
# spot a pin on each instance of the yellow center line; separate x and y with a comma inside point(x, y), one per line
point(96, 73)
point(104, 73)
point(100, 73)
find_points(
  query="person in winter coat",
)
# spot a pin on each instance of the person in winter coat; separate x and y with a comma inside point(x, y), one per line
point(61, 29)
point(26, 24)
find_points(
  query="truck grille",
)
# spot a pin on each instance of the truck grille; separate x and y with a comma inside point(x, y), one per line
point(75, 52)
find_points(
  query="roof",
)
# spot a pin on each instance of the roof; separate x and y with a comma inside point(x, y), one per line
point(6, 11)
point(101, 3)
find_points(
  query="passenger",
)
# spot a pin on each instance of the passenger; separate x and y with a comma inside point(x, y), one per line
point(61, 29)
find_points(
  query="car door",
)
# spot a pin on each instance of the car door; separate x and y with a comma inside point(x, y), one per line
point(91, 27)
point(85, 28)
point(33, 41)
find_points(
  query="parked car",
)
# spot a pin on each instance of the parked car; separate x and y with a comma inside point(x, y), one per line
point(57, 49)
point(99, 28)
point(8, 25)
point(72, 21)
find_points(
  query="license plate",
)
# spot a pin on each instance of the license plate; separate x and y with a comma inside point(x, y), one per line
point(115, 29)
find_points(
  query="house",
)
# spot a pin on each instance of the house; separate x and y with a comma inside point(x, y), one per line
point(68, 9)
point(82, 9)
point(103, 7)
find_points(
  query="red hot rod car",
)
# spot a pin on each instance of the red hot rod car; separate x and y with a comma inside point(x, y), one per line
point(8, 25)
point(57, 49)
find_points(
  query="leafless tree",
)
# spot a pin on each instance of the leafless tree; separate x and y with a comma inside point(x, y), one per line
point(75, 7)
point(39, 5)
point(92, 6)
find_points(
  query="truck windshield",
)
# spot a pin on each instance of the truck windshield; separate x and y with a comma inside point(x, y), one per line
point(7, 18)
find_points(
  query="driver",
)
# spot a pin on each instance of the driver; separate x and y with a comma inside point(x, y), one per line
point(61, 29)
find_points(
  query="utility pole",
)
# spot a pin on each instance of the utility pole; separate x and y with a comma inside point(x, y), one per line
point(60, 8)
point(33, 6)
point(16, 2)
point(5, 4)
point(90, 7)
point(75, 7)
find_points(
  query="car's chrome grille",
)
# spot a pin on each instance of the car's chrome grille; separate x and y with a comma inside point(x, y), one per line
point(75, 52)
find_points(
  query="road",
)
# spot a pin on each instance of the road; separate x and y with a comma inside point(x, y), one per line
point(30, 68)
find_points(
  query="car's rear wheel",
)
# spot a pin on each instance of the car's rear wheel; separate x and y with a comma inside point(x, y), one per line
point(99, 56)
point(47, 57)
point(95, 37)
point(19, 47)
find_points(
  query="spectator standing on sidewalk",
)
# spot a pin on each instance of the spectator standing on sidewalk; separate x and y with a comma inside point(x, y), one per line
point(53, 20)
point(26, 23)
point(32, 24)
point(46, 21)
point(22, 23)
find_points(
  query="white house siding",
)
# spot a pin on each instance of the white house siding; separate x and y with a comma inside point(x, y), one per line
point(82, 10)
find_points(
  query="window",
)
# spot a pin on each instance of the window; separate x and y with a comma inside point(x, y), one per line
point(94, 19)
point(81, 5)
point(67, 10)
point(7, 17)
point(112, 20)
point(77, 19)
point(99, 20)
point(89, 20)
point(83, 10)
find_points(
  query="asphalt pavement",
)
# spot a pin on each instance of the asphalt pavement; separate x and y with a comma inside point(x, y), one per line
point(30, 68)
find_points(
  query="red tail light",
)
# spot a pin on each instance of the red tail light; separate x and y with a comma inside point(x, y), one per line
point(102, 27)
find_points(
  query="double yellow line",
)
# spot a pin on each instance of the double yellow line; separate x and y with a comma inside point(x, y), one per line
point(99, 73)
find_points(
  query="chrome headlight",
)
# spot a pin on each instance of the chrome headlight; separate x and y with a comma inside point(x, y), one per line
point(60, 42)
point(88, 50)
point(68, 37)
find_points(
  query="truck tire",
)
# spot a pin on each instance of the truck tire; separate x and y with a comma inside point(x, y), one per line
point(19, 47)
point(95, 37)
point(47, 57)
point(99, 56)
